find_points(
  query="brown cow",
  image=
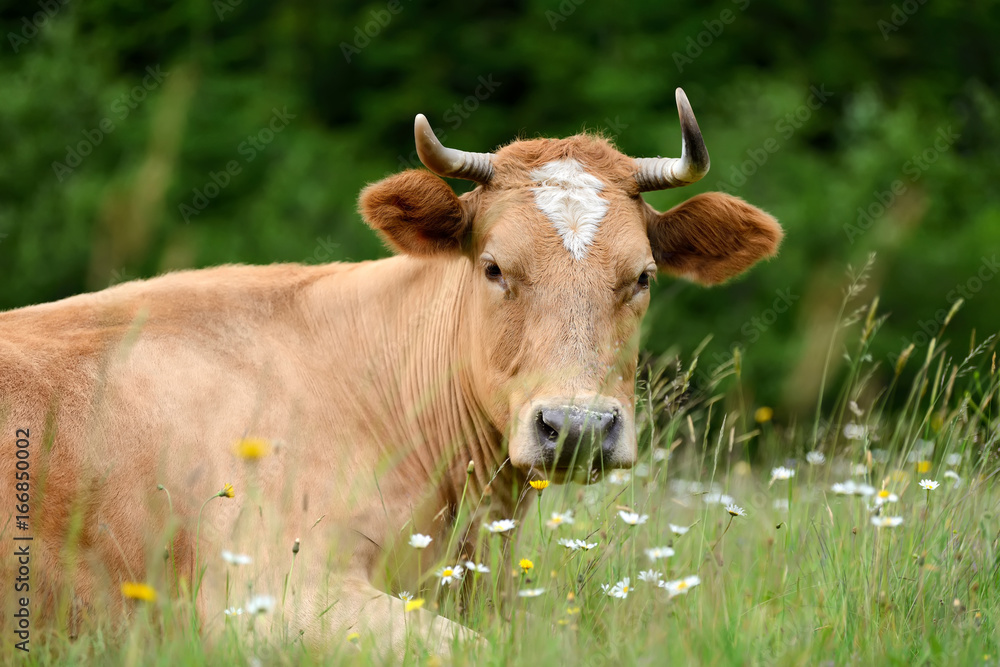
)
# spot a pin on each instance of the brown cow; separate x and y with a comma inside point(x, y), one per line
point(504, 332)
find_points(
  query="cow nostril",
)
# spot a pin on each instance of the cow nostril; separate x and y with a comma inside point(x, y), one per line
point(548, 430)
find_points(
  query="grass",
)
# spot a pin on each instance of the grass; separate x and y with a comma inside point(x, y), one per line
point(804, 578)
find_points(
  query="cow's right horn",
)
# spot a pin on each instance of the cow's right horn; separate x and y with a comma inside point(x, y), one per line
point(445, 161)
point(662, 173)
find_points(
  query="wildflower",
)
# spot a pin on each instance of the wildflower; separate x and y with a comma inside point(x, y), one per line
point(227, 491)
point(501, 526)
point(656, 553)
point(853, 407)
point(138, 591)
point(885, 496)
point(530, 592)
point(236, 559)
point(415, 603)
point(886, 521)
point(680, 586)
point(573, 545)
point(252, 449)
point(951, 474)
point(661, 454)
point(650, 576)
point(735, 510)
point(405, 596)
point(632, 518)
point(928, 484)
point(450, 573)
point(619, 590)
point(815, 458)
point(559, 519)
point(953, 460)
point(715, 498)
point(420, 541)
point(854, 432)
point(260, 604)
point(781, 473)
point(763, 415)
point(641, 470)
point(477, 569)
point(539, 484)
point(859, 469)
point(233, 611)
point(619, 477)
point(923, 466)
point(843, 488)
point(354, 637)
point(525, 565)
point(678, 530)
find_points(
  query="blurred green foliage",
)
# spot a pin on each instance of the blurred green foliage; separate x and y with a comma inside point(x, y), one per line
point(809, 111)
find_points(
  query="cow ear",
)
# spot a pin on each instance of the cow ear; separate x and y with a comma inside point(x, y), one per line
point(416, 213)
point(712, 237)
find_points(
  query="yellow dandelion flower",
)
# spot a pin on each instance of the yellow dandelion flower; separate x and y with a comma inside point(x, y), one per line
point(415, 603)
point(923, 466)
point(353, 637)
point(251, 449)
point(227, 491)
point(138, 591)
point(763, 415)
point(526, 565)
point(539, 484)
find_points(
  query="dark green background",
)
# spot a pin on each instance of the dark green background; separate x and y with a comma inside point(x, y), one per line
point(896, 76)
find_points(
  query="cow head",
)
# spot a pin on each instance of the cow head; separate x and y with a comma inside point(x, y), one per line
point(559, 250)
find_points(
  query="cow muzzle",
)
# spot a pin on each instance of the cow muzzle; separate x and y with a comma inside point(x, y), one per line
point(577, 439)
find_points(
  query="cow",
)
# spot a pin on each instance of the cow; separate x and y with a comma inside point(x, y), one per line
point(497, 345)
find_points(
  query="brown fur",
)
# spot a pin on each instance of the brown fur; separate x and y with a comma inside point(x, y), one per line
point(380, 380)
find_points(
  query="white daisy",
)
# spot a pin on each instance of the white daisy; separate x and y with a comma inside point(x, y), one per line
point(656, 553)
point(449, 573)
point(530, 592)
point(928, 484)
point(678, 530)
point(478, 569)
point(420, 541)
point(501, 526)
point(619, 477)
point(885, 496)
point(233, 611)
point(236, 559)
point(405, 596)
point(815, 458)
point(650, 576)
point(782, 473)
point(680, 586)
point(886, 521)
point(619, 590)
point(633, 518)
point(735, 510)
point(854, 431)
point(559, 519)
point(260, 604)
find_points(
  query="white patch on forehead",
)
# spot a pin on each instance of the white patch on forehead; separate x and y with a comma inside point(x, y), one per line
point(570, 198)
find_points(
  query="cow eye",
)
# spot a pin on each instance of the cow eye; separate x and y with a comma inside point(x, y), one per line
point(643, 282)
point(493, 272)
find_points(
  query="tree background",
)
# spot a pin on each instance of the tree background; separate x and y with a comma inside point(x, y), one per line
point(812, 112)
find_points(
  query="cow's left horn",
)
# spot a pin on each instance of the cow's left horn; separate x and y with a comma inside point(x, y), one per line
point(662, 173)
point(445, 161)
